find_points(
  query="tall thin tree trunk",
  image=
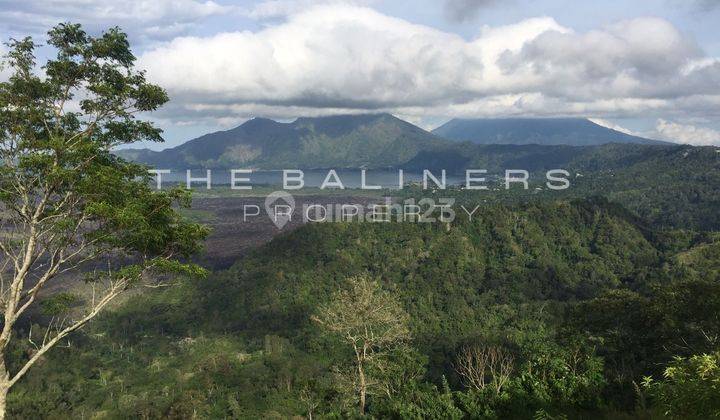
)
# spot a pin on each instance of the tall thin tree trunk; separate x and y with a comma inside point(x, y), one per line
point(4, 388)
point(3, 396)
point(363, 387)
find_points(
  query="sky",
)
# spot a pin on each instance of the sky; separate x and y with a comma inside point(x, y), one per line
point(650, 67)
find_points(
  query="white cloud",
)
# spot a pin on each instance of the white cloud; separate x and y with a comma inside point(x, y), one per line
point(282, 8)
point(152, 18)
point(644, 58)
point(327, 57)
point(611, 125)
point(341, 57)
point(687, 134)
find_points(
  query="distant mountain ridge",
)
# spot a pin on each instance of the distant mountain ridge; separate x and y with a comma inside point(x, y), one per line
point(385, 141)
point(345, 141)
point(543, 131)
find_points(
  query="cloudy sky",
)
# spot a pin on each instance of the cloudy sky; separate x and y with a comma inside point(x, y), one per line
point(648, 67)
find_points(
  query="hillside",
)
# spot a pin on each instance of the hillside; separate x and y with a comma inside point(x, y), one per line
point(669, 186)
point(583, 296)
point(347, 141)
point(544, 131)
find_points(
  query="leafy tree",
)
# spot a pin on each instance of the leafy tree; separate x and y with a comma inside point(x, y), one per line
point(369, 320)
point(690, 388)
point(66, 202)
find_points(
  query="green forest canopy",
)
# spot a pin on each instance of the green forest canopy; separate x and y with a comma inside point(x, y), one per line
point(587, 299)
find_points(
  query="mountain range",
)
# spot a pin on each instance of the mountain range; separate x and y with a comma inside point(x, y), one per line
point(545, 131)
point(346, 141)
point(385, 141)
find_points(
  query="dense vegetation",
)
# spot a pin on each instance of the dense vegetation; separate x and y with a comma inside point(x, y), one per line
point(591, 311)
point(669, 187)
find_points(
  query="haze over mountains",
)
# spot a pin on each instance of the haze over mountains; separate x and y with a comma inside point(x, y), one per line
point(545, 131)
point(384, 141)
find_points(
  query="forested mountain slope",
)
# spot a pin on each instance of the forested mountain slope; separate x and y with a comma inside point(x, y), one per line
point(669, 186)
point(346, 141)
point(584, 296)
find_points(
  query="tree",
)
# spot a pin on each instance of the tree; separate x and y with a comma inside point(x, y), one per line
point(482, 366)
point(67, 204)
point(690, 387)
point(368, 319)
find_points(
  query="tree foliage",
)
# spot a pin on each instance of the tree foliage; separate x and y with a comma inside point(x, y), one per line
point(66, 201)
point(372, 322)
point(585, 298)
point(690, 387)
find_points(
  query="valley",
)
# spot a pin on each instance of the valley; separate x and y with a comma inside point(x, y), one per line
point(233, 236)
point(584, 290)
point(461, 210)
